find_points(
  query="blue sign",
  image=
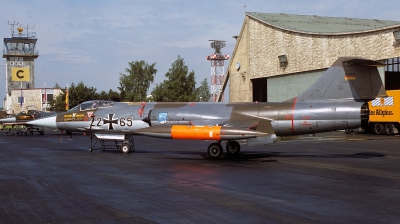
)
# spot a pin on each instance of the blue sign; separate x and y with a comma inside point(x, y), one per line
point(162, 118)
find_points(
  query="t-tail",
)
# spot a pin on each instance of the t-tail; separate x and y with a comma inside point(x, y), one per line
point(348, 78)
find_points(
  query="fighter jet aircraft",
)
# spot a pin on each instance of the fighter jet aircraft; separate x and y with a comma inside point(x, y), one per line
point(18, 123)
point(337, 100)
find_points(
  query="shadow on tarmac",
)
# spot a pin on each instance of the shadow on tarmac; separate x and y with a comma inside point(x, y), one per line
point(270, 156)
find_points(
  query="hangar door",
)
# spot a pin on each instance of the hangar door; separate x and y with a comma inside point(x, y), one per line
point(283, 87)
point(392, 74)
point(260, 90)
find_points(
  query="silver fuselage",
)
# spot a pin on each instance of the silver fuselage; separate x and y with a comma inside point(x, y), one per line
point(287, 118)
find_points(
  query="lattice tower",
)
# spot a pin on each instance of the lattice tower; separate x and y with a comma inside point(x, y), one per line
point(217, 68)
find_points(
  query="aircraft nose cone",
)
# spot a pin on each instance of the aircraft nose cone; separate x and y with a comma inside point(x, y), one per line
point(48, 122)
point(8, 120)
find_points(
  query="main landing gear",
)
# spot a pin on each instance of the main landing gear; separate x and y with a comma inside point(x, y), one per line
point(215, 150)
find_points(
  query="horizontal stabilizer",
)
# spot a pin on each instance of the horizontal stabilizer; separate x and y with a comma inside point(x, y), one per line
point(364, 62)
point(265, 126)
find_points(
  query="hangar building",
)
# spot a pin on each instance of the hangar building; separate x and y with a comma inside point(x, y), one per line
point(277, 56)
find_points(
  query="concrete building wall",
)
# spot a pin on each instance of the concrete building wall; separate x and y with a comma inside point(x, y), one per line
point(32, 97)
point(311, 52)
point(306, 53)
point(240, 84)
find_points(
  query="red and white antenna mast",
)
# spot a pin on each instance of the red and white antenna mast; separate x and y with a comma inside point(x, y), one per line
point(217, 68)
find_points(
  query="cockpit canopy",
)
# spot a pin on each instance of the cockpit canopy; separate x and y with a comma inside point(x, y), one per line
point(93, 105)
point(31, 110)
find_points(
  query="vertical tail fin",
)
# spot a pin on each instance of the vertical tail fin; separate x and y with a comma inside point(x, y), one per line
point(348, 78)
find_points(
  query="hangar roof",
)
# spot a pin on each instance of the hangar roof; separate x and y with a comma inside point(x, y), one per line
point(321, 24)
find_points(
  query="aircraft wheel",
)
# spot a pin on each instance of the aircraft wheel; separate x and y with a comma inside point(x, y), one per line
point(233, 147)
point(389, 129)
point(348, 130)
point(215, 150)
point(90, 150)
point(125, 148)
point(378, 129)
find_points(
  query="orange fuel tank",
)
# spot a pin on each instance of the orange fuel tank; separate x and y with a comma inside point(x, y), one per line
point(196, 132)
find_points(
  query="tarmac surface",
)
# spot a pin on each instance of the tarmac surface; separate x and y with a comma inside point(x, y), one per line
point(329, 178)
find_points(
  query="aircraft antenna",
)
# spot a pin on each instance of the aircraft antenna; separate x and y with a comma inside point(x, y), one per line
point(217, 68)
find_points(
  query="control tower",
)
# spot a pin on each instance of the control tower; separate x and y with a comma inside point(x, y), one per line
point(20, 53)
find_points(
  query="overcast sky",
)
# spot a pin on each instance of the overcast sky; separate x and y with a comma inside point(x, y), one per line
point(93, 41)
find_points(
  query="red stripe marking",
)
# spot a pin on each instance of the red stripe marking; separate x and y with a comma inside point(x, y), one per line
point(294, 104)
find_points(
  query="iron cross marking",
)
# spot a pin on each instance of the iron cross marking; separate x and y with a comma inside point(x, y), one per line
point(110, 121)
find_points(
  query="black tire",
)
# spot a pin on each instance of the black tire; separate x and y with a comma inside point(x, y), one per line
point(379, 129)
point(348, 130)
point(233, 147)
point(389, 129)
point(215, 150)
point(125, 148)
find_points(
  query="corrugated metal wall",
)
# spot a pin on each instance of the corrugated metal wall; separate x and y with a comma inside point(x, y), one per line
point(281, 88)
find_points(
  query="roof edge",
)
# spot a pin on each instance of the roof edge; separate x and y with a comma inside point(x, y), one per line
point(324, 34)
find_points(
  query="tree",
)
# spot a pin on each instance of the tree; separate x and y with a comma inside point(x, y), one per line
point(203, 92)
point(158, 94)
point(77, 94)
point(135, 84)
point(56, 86)
point(102, 95)
point(180, 85)
point(112, 95)
point(80, 93)
point(58, 103)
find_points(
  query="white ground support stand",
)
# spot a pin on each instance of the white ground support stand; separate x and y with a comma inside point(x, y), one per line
point(111, 141)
